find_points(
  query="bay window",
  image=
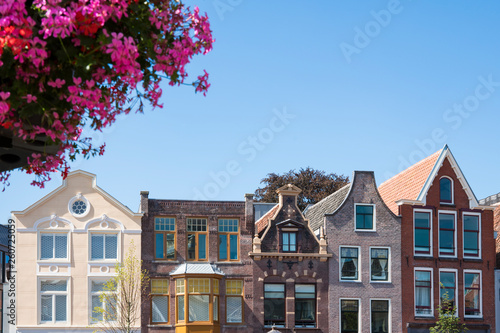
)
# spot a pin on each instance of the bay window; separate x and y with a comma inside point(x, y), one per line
point(199, 297)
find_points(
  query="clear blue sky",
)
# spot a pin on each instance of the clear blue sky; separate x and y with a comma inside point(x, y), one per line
point(334, 85)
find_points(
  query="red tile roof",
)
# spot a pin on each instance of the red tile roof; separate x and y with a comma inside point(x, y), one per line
point(408, 183)
point(262, 223)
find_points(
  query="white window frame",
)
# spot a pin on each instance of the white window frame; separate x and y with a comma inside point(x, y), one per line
point(428, 269)
point(475, 271)
point(389, 263)
point(91, 309)
point(479, 236)
point(455, 252)
point(118, 246)
point(450, 270)
point(50, 232)
point(360, 328)
point(430, 212)
point(374, 229)
point(389, 314)
point(452, 189)
point(39, 300)
point(340, 264)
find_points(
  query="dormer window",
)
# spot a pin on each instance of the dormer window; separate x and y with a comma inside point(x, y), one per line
point(289, 241)
point(446, 190)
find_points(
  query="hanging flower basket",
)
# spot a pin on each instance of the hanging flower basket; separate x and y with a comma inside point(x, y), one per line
point(66, 64)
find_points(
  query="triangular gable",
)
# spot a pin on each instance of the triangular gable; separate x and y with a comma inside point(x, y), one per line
point(290, 223)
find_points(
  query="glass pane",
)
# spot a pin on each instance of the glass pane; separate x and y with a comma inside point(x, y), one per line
point(233, 247)
point(46, 308)
point(60, 307)
point(159, 246)
point(380, 316)
point(471, 246)
point(46, 246)
point(191, 245)
point(274, 291)
point(364, 209)
point(160, 309)
point(379, 268)
point(305, 312)
point(216, 308)
point(471, 222)
point(96, 303)
point(234, 310)
point(164, 224)
point(222, 246)
point(472, 280)
point(57, 285)
point(446, 221)
point(286, 241)
point(179, 285)
point(422, 240)
point(445, 189)
point(111, 246)
point(422, 220)
point(293, 242)
point(97, 286)
point(159, 286)
point(202, 243)
point(349, 268)
point(97, 251)
point(446, 241)
point(61, 246)
point(234, 287)
point(180, 308)
point(349, 316)
point(274, 310)
point(170, 246)
point(199, 307)
point(305, 291)
point(423, 278)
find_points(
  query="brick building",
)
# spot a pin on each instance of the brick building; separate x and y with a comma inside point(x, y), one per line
point(448, 246)
point(290, 270)
point(197, 256)
point(365, 271)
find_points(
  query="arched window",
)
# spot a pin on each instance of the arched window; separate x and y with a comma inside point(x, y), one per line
point(445, 190)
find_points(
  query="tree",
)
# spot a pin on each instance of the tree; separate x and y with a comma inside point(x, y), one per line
point(315, 185)
point(74, 63)
point(447, 321)
point(122, 297)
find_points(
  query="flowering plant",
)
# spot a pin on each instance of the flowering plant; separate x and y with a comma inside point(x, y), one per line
point(65, 64)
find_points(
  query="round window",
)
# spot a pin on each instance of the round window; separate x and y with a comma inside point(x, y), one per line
point(79, 207)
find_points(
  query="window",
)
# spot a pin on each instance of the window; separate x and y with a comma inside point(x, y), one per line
point(215, 302)
point(228, 239)
point(159, 300)
point(471, 236)
point(472, 294)
point(234, 301)
point(305, 305)
point(422, 233)
point(289, 241)
point(199, 299)
point(53, 246)
point(180, 299)
point(445, 190)
point(447, 290)
point(197, 239)
point(53, 301)
point(104, 246)
point(103, 297)
point(349, 315)
point(423, 293)
point(379, 264)
point(447, 234)
point(380, 322)
point(364, 217)
point(349, 263)
point(165, 238)
point(274, 304)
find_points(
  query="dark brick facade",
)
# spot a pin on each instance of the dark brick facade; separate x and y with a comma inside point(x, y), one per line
point(485, 264)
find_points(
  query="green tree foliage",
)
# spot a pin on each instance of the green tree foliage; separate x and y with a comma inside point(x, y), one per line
point(121, 297)
point(448, 322)
point(315, 185)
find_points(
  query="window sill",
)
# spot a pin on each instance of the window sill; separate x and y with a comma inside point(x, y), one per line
point(160, 325)
point(473, 318)
point(421, 317)
point(365, 230)
point(383, 282)
point(355, 281)
point(229, 263)
point(447, 204)
point(467, 259)
point(53, 261)
point(235, 325)
point(160, 261)
point(423, 257)
point(448, 258)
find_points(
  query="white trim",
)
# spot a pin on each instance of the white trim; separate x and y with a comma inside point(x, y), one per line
point(450, 270)
point(429, 211)
point(55, 272)
point(90, 294)
point(118, 246)
point(359, 311)
point(374, 216)
point(427, 269)
point(78, 197)
point(52, 218)
point(478, 236)
point(389, 313)
point(455, 250)
point(452, 190)
point(359, 263)
point(389, 263)
point(104, 269)
point(475, 271)
point(39, 301)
